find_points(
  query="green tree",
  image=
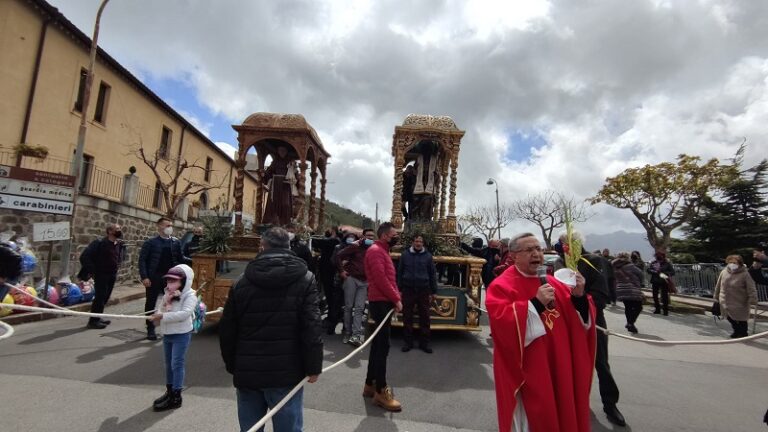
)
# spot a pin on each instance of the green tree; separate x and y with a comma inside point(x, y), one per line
point(665, 196)
point(736, 222)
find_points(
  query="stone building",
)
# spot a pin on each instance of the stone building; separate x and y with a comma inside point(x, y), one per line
point(43, 61)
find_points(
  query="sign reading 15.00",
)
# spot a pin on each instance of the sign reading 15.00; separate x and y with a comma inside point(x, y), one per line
point(50, 231)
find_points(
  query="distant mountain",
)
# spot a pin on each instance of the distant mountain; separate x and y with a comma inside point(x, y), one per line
point(336, 214)
point(620, 241)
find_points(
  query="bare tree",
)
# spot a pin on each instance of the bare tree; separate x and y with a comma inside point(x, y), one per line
point(168, 171)
point(483, 221)
point(547, 210)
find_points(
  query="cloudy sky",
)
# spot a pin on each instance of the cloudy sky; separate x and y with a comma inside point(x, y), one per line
point(557, 94)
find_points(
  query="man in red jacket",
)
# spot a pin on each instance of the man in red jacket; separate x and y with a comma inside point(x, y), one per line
point(383, 295)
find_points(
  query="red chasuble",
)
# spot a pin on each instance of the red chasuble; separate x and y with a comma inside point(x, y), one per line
point(554, 373)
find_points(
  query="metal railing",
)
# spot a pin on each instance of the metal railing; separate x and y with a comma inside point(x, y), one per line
point(697, 279)
point(49, 164)
point(147, 198)
point(102, 183)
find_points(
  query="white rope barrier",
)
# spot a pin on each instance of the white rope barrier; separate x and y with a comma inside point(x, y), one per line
point(8, 330)
point(301, 384)
point(673, 342)
point(69, 312)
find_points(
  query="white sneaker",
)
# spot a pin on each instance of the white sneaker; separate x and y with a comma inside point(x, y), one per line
point(355, 341)
point(345, 338)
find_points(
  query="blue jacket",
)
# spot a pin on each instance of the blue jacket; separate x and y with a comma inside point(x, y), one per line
point(152, 251)
point(416, 271)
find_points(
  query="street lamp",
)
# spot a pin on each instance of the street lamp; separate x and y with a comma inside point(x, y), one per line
point(498, 212)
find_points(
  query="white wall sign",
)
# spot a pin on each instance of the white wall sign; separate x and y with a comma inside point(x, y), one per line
point(36, 190)
point(40, 205)
point(50, 231)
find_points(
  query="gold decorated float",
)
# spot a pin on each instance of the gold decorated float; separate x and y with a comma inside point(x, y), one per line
point(294, 148)
point(426, 154)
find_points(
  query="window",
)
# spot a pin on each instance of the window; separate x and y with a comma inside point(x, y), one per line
point(165, 144)
point(86, 170)
point(157, 199)
point(208, 168)
point(101, 103)
point(203, 201)
point(81, 91)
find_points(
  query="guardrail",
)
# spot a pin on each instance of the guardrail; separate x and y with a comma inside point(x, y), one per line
point(102, 183)
point(148, 198)
point(50, 163)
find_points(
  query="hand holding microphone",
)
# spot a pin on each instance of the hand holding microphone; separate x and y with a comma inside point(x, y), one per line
point(546, 293)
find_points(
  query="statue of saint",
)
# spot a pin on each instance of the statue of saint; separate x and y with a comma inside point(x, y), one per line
point(280, 182)
point(409, 184)
point(427, 182)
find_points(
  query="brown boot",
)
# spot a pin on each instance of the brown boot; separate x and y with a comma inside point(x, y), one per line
point(386, 400)
point(369, 390)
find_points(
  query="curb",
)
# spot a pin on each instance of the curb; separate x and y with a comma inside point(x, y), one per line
point(132, 294)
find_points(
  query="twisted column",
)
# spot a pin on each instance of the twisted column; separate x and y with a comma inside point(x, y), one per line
point(259, 204)
point(301, 185)
point(397, 197)
point(312, 193)
point(321, 213)
point(238, 192)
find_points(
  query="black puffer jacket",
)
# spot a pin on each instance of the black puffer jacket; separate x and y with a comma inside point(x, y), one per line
point(270, 330)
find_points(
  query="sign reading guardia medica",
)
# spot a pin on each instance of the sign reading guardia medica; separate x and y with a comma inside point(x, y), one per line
point(36, 191)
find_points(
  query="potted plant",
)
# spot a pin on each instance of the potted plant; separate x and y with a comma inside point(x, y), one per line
point(35, 151)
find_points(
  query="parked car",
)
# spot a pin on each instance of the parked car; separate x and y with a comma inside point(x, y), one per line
point(550, 258)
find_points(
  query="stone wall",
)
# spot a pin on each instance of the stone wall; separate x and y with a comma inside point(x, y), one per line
point(93, 215)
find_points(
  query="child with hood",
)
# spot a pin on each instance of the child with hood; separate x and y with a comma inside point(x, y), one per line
point(175, 311)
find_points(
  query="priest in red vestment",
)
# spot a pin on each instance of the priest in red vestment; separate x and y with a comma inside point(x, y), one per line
point(544, 346)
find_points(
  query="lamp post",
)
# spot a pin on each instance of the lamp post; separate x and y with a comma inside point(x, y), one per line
point(77, 163)
point(498, 212)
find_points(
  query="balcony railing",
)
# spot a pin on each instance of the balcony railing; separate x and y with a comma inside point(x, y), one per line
point(150, 198)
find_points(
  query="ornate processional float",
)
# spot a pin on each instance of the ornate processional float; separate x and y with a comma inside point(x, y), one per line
point(280, 198)
point(426, 161)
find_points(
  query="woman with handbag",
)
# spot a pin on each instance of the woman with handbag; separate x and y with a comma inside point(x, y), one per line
point(629, 281)
point(735, 291)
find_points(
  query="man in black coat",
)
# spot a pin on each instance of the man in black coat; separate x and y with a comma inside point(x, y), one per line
point(100, 261)
point(660, 271)
point(592, 267)
point(156, 257)
point(326, 271)
point(417, 280)
point(270, 333)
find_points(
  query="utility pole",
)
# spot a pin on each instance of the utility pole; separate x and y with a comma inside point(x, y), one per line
point(66, 249)
point(376, 218)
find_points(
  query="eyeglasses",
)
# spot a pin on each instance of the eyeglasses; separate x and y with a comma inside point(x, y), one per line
point(531, 249)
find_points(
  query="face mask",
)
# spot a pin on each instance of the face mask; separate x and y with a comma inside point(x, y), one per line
point(733, 266)
point(173, 285)
point(168, 230)
point(291, 236)
point(350, 240)
point(118, 234)
point(368, 242)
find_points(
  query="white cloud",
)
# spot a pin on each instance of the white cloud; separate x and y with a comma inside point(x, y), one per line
point(606, 84)
point(227, 148)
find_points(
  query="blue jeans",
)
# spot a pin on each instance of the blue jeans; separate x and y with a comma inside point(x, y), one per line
point(175, 347)
point(252, 406)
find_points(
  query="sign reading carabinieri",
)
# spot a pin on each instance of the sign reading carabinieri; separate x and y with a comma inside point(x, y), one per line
point(37, 191)
point(16, 202)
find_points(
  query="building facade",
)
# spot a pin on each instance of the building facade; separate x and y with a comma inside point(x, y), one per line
point(43, 64)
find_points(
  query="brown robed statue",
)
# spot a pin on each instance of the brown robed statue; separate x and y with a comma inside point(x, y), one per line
point(280, 182)
point(426, 182)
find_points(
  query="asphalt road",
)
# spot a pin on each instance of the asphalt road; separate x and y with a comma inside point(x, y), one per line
point(56, 375)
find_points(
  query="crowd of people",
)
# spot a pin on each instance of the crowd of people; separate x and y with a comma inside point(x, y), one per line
point(543, 328)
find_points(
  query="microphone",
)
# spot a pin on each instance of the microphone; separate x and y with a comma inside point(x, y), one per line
point(541, 272)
